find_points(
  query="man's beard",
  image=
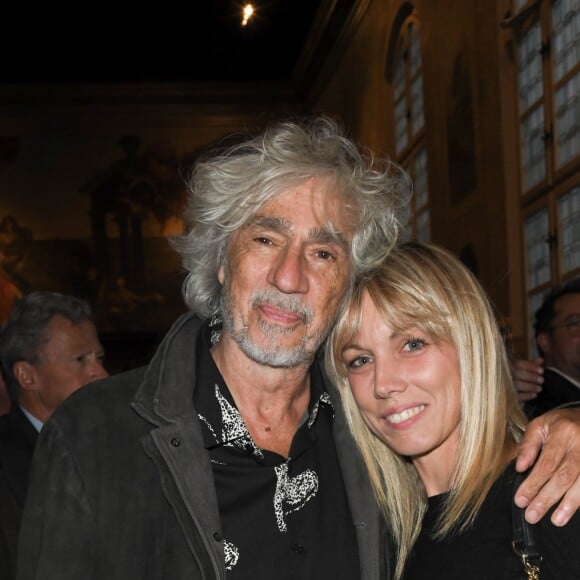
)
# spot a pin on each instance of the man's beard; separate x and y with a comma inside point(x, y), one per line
point(274, 354)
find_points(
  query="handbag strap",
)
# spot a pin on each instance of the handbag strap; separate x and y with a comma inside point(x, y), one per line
point(523, 542)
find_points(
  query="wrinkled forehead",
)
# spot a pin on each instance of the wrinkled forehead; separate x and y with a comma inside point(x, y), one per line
point(314, 202)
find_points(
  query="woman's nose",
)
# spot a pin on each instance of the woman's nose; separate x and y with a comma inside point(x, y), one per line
point(388, 380)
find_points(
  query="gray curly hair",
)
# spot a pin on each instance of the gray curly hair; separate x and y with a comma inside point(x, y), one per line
point(229, 186)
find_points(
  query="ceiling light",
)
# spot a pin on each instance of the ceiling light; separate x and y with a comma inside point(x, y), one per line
point(247, 13)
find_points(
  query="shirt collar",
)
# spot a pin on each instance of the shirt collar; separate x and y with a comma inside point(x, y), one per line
point(36, 423)
point(222, 423)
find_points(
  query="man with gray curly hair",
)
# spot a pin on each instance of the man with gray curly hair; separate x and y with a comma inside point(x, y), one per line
point(228, 456)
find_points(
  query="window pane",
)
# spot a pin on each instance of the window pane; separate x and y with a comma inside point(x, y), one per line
point(569, 212)
point(420, 180)
point(423, 232)
point(414, 50)
point(530, 68)
point(533, 148)
point(417, 116)
point(399, 74)
point(401, 123)
point(537, 250)
point(565, 36)
point(567, 105)
point(519, 4)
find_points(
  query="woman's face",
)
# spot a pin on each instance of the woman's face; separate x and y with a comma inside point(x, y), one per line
point(407, 389)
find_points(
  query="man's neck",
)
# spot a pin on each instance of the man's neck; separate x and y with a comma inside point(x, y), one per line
point(30, 401)
point(271, 400)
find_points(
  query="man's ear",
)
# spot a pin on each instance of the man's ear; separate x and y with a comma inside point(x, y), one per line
point(544, 342)
point(26, 375)
point(221, 274)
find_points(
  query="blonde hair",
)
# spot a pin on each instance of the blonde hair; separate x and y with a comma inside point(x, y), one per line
point(426, 287)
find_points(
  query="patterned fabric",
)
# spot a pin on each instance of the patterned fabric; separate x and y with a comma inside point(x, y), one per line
point(272, 506)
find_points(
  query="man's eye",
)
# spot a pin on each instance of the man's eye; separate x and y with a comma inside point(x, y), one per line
point(263, 240)
point(325, 255)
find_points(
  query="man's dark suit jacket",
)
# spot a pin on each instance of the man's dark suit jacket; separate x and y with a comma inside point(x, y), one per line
point(17, 439)
point(556, 391)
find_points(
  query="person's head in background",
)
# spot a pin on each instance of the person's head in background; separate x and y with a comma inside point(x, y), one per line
point(49, 348)
point(557, 329)
point(422, 370)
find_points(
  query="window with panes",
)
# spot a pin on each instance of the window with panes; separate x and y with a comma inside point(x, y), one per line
point(546, 36)
point(406, 80)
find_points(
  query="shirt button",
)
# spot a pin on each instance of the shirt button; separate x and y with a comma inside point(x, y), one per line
point(217, 536)
point(175, 442)
point(298, 548)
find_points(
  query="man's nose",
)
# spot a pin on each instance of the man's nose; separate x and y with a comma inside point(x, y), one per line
point(97, 370)
point(289, 272)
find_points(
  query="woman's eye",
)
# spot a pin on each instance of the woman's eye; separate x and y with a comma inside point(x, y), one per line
point(414, 344)
point(358, 362)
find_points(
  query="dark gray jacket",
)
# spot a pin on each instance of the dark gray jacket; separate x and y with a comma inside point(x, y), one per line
point(17, 440)
point(122, 488)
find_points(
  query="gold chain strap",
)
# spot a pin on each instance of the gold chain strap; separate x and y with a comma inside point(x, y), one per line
point(532, 571)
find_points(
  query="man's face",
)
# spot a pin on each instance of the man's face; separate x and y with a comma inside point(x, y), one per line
point(71, 358)
point(561, 344)
point(285, 275)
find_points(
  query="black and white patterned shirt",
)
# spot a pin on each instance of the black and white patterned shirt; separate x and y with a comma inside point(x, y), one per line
point(282, 519)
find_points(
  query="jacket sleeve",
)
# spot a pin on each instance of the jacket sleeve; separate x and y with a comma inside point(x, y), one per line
point(58, 523)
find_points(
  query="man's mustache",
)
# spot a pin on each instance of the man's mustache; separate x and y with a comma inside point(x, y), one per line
point(288, 303)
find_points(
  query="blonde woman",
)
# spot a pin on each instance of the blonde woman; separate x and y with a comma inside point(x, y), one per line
point(423, 375)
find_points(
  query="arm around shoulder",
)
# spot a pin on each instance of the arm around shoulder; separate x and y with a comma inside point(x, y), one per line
point(555, 477)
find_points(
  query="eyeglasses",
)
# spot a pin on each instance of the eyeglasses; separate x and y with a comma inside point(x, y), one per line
point(573, 327)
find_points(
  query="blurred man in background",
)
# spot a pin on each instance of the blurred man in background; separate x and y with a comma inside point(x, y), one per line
point(557, 331)
point(49, 348)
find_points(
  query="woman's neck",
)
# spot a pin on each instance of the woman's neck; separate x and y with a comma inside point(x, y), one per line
point(436, 469)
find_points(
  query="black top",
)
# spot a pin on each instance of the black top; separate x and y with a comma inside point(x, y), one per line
point(484, 552)
point(273, 509)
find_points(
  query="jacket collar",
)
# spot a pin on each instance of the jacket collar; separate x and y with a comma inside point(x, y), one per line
point(166, 393)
